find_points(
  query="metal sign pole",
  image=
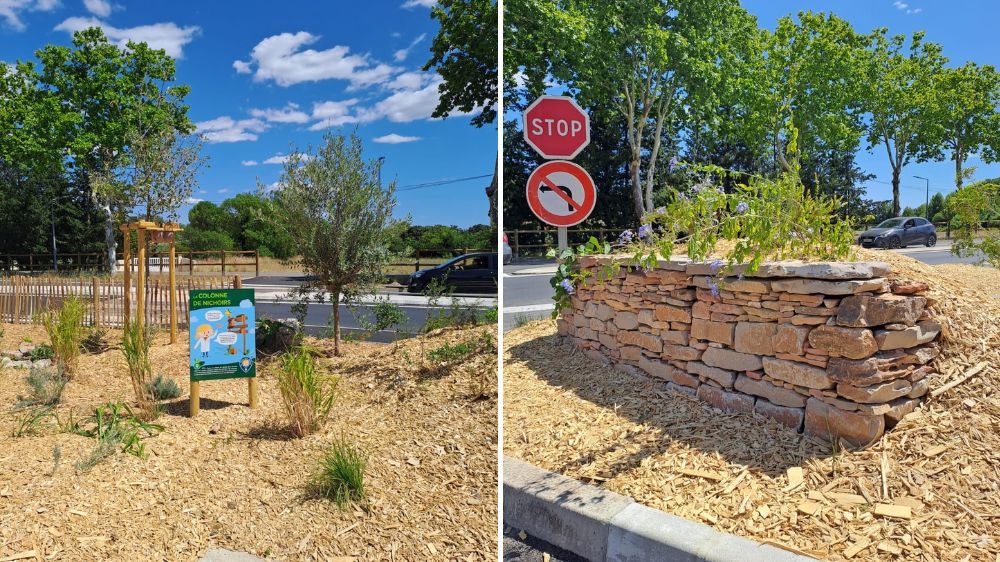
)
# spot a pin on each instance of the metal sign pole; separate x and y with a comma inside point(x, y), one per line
point(563, 237)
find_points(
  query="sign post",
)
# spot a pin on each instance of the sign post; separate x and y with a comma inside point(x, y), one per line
point(558, 129)
point(222, 342)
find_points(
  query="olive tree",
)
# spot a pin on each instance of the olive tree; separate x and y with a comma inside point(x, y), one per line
point(332, 205)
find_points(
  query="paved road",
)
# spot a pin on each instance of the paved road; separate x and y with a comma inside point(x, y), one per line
point(528, 294)
point(532, 549)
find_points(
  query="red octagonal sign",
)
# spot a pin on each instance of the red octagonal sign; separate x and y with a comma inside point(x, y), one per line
point(556, 127)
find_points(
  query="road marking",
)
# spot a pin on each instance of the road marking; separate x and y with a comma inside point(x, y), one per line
point(528, 308)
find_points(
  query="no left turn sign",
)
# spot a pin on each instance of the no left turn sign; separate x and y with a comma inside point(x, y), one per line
point(561, 193)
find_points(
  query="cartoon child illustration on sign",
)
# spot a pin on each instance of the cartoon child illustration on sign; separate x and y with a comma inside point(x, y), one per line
point(204, 335)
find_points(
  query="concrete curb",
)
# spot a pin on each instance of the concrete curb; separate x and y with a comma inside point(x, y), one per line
point(603, 526)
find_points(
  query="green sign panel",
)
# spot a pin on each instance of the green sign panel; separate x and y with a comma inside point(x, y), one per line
point(222, 334)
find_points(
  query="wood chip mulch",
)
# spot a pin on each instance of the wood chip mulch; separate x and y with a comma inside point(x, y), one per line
point(233, 477)
point(929, 490)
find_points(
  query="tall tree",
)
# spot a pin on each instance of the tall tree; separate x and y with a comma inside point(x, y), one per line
point(340, 218)
point(162, 171)
point(464, 52)
point(109, 93)
point(966, 114)
point(900, 100)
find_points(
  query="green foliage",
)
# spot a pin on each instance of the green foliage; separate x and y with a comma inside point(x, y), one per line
point(114, 425)
point(42, 352)
point(332, 205)
point(33, 421)
point(449, 240)
point(307, 394)
point(163, 388)
point(341, 475)
point(96, 341)
point(46, 387)
point(135, 349)
point(569, 276)
point(65, 330)
point(447, 353)
point(968, 207)
point(198, 240)
point(385, 315)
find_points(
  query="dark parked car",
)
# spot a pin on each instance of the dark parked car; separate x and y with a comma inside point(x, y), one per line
point(468, 273)
point(899, 232)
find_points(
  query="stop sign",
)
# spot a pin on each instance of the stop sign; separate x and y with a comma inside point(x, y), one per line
point(556, 127)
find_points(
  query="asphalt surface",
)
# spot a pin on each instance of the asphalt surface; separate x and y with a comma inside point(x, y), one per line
point(528, 294)
point(532, 549)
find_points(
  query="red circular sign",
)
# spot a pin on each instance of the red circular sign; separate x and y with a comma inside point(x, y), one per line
point(556, 127)
point(561, 193)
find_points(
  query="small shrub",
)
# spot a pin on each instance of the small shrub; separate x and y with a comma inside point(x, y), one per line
point(42, 352)
point(163, 388)
point(32, 421)
point(114, 425)
point(306, 393)
point(450, 352)
point(490, 315)
point(96, 341)
point(341, 476)
point(65, 332)
point(46, 387)
point(135, 348)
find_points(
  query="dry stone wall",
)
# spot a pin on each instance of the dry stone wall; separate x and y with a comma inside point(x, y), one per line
point(829, 349)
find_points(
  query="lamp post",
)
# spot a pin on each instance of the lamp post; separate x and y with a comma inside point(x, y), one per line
point(927, 196)
point(380, 160)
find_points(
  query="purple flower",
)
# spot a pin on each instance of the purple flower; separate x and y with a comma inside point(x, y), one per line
point(713, 287)
point(625, 237)
point(673, 163)
point(646, 270)
point(645, 231)
point(740, 276)
point(715, 265)
point(660, 210)
point(682, 196)
point(742, 207)
point(567, 286)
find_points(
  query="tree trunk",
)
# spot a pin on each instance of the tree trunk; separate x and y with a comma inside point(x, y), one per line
point(895, 191)
point(491, 192)
point(636, 187)
point(958, 169)
point(109, 237)
point(335, 301)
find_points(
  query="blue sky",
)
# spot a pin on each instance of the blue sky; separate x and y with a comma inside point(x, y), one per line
point(966, 29)
point(267, 76)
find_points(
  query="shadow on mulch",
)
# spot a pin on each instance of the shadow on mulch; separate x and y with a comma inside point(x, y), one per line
point(271, 431)
point(182, 407)
point(743, 439)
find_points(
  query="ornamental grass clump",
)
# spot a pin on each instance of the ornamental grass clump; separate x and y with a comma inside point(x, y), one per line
point(307, 393)
point(135, 348)
point(341, 476)
point(65, 329)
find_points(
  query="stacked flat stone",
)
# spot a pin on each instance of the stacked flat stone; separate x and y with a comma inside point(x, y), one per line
point(831, 349)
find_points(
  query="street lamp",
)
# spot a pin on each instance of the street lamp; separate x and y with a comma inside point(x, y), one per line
point(380, 160)
point(927, 196)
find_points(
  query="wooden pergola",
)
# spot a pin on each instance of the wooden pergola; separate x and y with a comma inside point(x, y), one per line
point(156, 233)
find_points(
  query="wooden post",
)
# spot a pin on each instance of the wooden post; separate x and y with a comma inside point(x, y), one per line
point(223, 263)
point(173, 294)
point(95, 320)
point(140, 278)
point(127, 277)
point(195, 400)
point(252, 381)
point(256, 263)
point(190, 264)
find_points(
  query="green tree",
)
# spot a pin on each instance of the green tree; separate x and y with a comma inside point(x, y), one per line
point(333, 207)
point(162, 171)
point(106, 94)
point(900, 100)
point(464, 52)
point(966, 115)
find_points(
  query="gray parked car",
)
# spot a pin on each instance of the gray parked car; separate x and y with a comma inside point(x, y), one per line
point(899, 232)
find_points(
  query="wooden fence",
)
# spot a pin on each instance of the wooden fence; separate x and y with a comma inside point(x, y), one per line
point(23, 297)
point(201, 261)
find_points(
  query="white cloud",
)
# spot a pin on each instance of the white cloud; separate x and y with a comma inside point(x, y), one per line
point(289, 114)
point(410, 80)
point(422, 3)
point(281, 58)
point(282, 158)
point(401, 54)
point(249, 162)
point(223, 190)
point(904, 7)
point(100, 8)
point(10, 10)
point(406, 105)
point(333, 114)
point(167, 36)
point(226, 129)
point(393, 138)
point(193, 200)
